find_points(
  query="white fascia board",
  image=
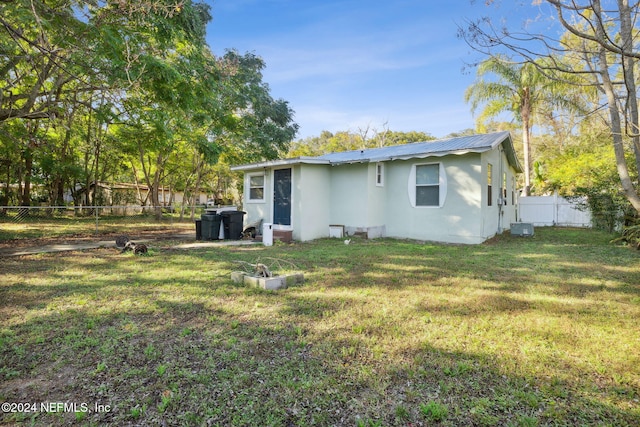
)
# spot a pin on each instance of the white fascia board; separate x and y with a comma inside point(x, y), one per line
point(413, 156)
point(278, 163)
point(441, 154)
point(507, 145)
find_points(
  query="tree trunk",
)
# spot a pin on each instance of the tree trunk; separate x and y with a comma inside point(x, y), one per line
point(59, 192)
point(196, 186)
point(28, 166)
point(628, 62)
point(616, 133)
point(4, 200)
point(155, 195)
point(526, 141)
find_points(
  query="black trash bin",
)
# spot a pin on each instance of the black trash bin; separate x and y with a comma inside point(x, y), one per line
point(210, 226)
point(198, 229)
point(232, 221)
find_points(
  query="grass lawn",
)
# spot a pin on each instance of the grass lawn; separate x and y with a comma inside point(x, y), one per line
point(517, 331)
point(16, 230)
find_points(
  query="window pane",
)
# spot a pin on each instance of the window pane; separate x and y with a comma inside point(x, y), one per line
point(256, 193)
point(256, 181)
point(427, 174)
point(428, 196)
point(489, 183)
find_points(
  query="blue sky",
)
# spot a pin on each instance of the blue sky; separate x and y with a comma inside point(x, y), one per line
point(348, 64)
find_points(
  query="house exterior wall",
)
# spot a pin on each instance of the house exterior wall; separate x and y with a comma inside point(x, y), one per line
point(347, 195)
point(498, 216)
point(309, 201)
point(311, 197)
point(356, 202)
point(377, 201)
point(359, 204)
point(257, 210)
point(490, 213)
point(456, 220)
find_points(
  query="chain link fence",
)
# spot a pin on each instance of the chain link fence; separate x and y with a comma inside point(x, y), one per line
point(17, 222)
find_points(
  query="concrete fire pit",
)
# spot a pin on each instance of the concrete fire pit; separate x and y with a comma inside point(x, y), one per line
point(274, 282)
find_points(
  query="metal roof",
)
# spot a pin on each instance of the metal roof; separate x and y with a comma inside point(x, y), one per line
point(437, 148)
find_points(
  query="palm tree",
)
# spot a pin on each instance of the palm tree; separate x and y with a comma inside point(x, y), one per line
point(520, 89)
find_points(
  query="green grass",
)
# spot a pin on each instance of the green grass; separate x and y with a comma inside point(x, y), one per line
point(517, 331)
point(42, 227)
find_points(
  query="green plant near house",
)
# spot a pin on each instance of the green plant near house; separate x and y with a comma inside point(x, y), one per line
point(630, 235)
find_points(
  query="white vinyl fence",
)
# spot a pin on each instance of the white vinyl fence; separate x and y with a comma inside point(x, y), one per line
point(552, 210)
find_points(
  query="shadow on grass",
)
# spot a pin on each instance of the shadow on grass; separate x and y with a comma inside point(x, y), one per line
point(221, 369)
point(168, 339)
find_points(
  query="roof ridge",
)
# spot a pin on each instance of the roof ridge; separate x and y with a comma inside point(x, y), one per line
point(433, 141)
point(478, 143)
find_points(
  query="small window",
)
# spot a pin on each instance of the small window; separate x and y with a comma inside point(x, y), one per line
point(513, 191)
point(504, 187)
point(428, 185)
point(256, 187)
point(489, 190)
point(380, 174)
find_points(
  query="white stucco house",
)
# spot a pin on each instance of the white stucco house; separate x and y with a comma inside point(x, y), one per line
point(458, 190)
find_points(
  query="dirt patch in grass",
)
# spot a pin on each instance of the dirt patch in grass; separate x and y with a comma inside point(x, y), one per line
point(16, 245)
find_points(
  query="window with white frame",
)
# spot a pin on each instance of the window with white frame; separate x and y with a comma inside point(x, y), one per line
point(504, 188)
point(428, 185)
point(380, 174)
point(256, 187)
point(489, 184)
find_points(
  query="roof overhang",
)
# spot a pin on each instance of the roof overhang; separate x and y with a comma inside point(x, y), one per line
point(282, 162)
point(510, 152)
point(411, 156)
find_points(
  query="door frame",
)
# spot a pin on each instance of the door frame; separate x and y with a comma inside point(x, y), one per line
point(273, 201)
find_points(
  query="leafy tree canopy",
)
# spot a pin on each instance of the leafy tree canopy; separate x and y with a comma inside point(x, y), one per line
point(133, 77)
point(596, 55)
point(328, 142)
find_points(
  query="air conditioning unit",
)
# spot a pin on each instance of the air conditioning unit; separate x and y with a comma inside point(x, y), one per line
point(524, 229)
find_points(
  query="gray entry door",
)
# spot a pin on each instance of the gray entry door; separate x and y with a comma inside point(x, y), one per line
point(282, 197)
